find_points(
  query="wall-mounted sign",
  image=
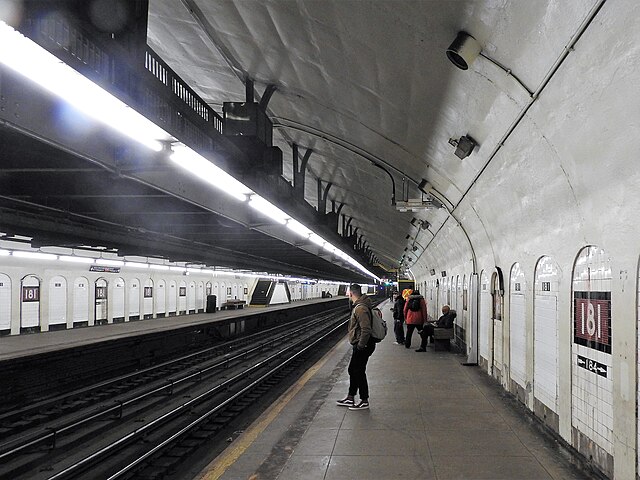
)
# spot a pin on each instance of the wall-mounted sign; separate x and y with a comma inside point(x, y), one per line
point(517, 287)
point(592, 366)
point(100, 268)
point(183, 292)
point(546, 286)
point(101, 293)
point(30, 294)
point(592, 320)
point(148, 292)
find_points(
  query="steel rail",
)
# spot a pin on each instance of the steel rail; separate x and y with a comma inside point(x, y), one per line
point(11, 449)
point(176, 412)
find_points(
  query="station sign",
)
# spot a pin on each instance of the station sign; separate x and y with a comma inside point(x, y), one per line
point(100, 268)
point(592, 320)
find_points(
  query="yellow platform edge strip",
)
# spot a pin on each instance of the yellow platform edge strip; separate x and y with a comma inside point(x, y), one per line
point(220, 464)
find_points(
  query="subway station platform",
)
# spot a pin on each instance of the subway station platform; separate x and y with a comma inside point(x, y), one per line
point(430, 418)
point(27, 345)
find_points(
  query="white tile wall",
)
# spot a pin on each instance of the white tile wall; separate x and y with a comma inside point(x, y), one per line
point(545, 351)
point(5, 302)
point(545, 322)
point(517, 328)
point(485, 317)
point(592, 394)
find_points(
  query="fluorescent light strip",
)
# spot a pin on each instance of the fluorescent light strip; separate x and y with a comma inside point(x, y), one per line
point(34, 255)
point(65, 258)
point(159, 267)
point(298, 228)
point(268, 209)
point(32, 61)
point(317, 239)
point(109, 263)
point(136, 265)
point(178, 269)
point(4, 253)
point(29, 59)
point(195, 163)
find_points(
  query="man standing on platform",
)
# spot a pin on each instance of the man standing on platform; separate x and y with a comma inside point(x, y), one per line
point(363, 346)
point(398, 318)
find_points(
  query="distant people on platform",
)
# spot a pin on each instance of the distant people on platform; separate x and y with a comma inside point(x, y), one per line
point(415, 316)
point(363, 346)
point(398, 317)
point(446, 320)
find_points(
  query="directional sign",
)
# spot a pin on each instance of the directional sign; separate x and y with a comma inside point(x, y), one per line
point(592, 366)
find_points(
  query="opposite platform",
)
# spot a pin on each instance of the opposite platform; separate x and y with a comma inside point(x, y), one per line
point(25, 345)
point(430, 418)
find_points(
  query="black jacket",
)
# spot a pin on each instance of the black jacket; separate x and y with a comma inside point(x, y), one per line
point(446, 321)
point(398, 309)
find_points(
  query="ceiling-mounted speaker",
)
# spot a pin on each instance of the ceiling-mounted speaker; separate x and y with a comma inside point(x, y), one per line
point(464, 50)
point(465, 146)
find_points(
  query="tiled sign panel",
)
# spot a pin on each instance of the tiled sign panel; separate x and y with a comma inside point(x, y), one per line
point(545, 322)
point(591, 365)
point(517, 326)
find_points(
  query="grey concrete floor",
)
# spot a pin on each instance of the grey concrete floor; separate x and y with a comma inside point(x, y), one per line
point(430, 418)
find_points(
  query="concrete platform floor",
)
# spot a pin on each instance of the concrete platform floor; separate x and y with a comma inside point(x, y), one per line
point(430, 418)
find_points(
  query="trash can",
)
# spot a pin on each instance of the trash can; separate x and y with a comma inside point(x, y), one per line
point(211, 303)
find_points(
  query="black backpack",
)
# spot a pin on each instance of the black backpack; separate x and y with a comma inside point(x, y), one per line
point(414, 304)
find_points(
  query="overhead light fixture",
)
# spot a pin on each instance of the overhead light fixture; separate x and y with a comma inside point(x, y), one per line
point(298, 228)
point(416, 204)
point(34, 255)
point(32, 61)
point(317, 239)
point(27, 58)
point(158, 267)
point(464, 146)
point(463, 51)
point(195, 163)
point(268, 209)
point(109, 263)
point(136, 265)
point(70, 259)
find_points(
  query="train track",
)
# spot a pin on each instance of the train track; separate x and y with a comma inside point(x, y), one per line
point(146, 423)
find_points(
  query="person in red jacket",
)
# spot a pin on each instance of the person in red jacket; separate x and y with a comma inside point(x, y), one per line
point(415, 316)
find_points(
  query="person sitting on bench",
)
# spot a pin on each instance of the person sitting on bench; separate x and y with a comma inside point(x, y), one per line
point(445, 321)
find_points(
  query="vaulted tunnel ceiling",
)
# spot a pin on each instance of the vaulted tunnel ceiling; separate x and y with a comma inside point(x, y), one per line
point(357, 82)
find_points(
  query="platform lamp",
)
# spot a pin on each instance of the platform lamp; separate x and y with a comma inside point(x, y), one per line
point(464, 50)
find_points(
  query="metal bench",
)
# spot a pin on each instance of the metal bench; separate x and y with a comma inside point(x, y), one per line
point(442, 339)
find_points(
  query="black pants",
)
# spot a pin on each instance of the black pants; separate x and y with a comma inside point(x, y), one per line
point(398, 329)
point(410, 329)
point(358, 370)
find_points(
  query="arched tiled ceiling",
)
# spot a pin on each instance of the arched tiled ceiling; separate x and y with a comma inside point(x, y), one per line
point(374, 75)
